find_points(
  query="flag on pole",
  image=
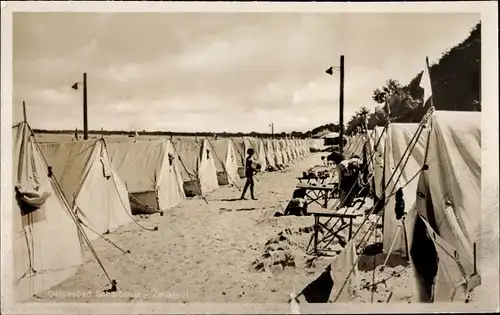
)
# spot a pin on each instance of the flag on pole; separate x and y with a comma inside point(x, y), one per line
point(425, 82)
point(387, 109)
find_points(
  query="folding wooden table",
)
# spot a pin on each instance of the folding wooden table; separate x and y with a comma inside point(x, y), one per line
point(314, 192)
point(307, 180)
point(332, 232)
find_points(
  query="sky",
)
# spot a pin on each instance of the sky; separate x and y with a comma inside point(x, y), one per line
point(216, 72)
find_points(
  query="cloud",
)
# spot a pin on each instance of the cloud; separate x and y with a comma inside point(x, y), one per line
point(217, 71)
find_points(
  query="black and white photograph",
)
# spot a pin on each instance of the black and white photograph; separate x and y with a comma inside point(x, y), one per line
point(258, 157)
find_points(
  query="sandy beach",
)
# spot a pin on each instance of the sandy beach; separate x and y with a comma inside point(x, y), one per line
point(221, 250)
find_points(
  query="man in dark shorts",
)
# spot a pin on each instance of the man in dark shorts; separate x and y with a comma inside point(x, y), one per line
point(249, 172)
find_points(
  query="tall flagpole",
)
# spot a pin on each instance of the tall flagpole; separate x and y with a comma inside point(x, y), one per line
point(430, 82)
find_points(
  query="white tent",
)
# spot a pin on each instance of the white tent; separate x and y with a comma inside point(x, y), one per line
point(379, 136)
point(278, 153)
point(225, 161)
point(90, 184)
point(317, 144)
point(306, 146)
point(284, 151)
point(198, 166)
point(401, 136)
point(260, 153)
point(296, 148)
point(151, 171)
point(446, 221)
point(270, 157)
point(47, 248)
point(241, 146)
point(355, 145)
point(290, 149)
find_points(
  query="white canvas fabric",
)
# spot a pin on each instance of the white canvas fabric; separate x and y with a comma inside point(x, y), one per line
point(241, 146)
point(300, 150)
point(399, 137)
point(291, 150)
point(151, 171)
point(90, 184)
point(355, 146)
point(284, 151)
point(278, 153)
point(225, 161)
point(317, 144)
point(341, 273)
point(198, 168)
point(307, 146)
point(47, 247)
point(449, 204)
point(268, 148)
point(170, 186)
point(260, 153)
point(379, 159)
point(296, 148)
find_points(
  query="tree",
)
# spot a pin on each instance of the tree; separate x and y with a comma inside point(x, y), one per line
point(377, 118)
point(363, 111)
point(392, 87)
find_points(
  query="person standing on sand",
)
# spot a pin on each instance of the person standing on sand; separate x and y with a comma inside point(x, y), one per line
point(249, 172)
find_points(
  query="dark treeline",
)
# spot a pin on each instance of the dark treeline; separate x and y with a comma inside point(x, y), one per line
point(175, 134)
point(455, 82)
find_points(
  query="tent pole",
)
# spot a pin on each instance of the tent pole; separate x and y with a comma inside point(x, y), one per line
point(24, 112)
point(475, 260)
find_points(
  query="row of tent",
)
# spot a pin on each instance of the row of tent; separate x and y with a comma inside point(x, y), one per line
point(70, 192)
point(437, 166)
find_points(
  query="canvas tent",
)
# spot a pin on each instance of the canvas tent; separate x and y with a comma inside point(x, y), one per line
point(90, 184)
point(317, 144)
point(333, 138)
point(296, 145)
point(46, 246)
point(401, 167)
point(151, 171)
point(269, 151)
point(260, 153)
point(303, 147)
point(355, 145)
point(278, 153)
point(225, 161)
point(296, 149)
point(284, 151)
point(198, 166)
point(241, 146)
point(379, 136)
point(446, 221)
point(290, 149)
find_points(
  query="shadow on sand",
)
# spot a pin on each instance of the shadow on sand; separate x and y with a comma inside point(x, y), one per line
point(373, 256)
point(320, 289)
point(228, 199)
point(245, 209)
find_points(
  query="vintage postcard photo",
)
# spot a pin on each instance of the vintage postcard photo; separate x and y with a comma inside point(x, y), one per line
point(249, 157)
